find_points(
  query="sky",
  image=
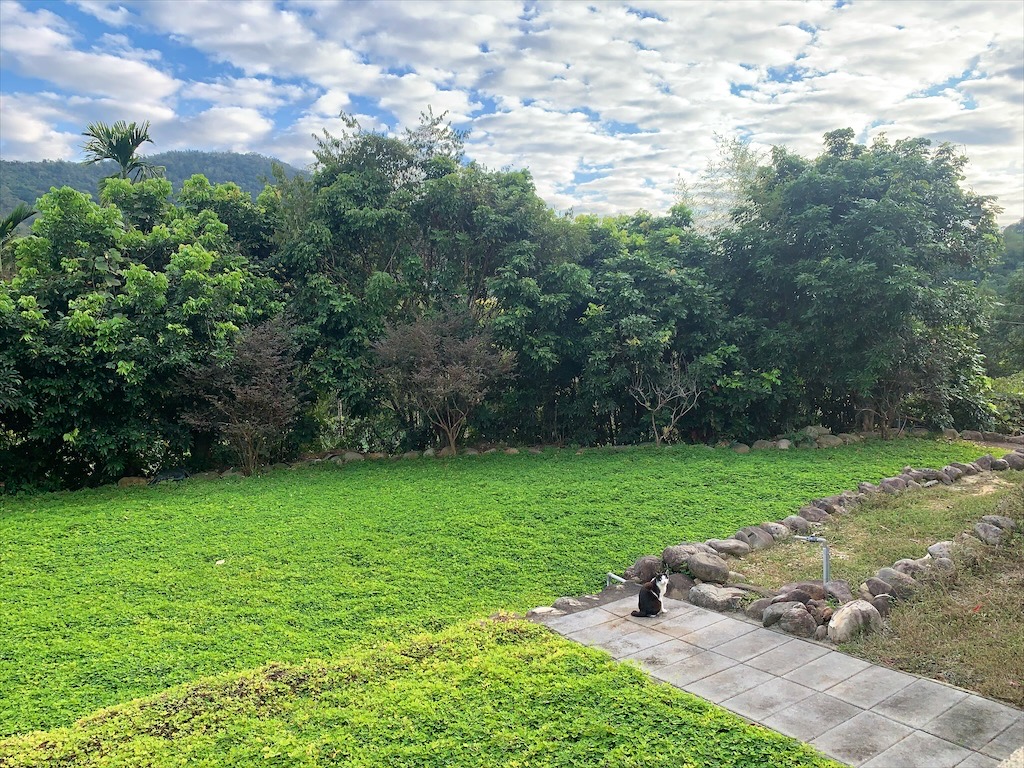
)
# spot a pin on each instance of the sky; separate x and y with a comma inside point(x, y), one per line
point(608, 104)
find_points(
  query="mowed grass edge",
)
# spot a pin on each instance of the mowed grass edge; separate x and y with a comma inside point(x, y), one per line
point(109, 595)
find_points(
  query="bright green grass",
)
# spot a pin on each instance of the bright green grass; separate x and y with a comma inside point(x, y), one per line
point(491, 693)
point(107, 595)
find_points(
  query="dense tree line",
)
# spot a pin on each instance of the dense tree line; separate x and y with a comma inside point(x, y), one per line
point(400, 296)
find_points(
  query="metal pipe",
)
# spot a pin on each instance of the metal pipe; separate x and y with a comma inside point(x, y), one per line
point(826, 556)
point(610, 577)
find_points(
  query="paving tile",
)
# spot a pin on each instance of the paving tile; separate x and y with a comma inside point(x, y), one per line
point(625, 644)
point(622, 607)
point(920, 750)
point(662, 655)
point(861, 738)
point(812, 717)
point(683, 624)
point(752, 644)
point(1008, 742)
point(603, 633)
point(670, 610)
point(871, 686)
point(978, 760)
point(719, 633)
point(573, 622)
point(693, 668)
point(727, 683)
point(788, 656)
point(827, 670)
point(920, 702)
point(764, 700)
point(973, 722)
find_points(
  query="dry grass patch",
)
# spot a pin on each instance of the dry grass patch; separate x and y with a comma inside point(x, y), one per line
point(968, 633)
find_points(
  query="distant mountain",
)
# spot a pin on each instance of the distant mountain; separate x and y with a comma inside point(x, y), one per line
point(27, 182)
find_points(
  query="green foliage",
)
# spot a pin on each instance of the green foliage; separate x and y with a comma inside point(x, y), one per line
point(112, 594)
point(1007, 395)
point(490, 693)
point(120, 142)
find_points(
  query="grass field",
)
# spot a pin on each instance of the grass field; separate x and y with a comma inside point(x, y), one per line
point(111, 594)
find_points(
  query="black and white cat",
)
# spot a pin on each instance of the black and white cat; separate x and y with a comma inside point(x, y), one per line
point(650, 596)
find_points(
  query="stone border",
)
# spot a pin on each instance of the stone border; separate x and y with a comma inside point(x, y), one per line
point(700, 573)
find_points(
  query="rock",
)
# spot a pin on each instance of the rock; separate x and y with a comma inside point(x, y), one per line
point(950, 474)
point(678, 555)
point(988, 533)
point(756, 609)
point(821, 614)
point(774, 611)
point(950, 434)
point(893, 484)
point(816, 431)
point(740, 448)
point(847, 438)
point(984, 462)
point(820, 633)
point(993, 437)
point(875, 586)
point(814, 515)
point(534, 450)
point(777, 530)
point(511, 451)
point(793, 595)
point(1000, 521)
point(829, 441)
point(567, 604)
point(813, 588)
point(840, 590)
point(945, 568)
point(411, 455)
point(446, 453)
point(644, 569)
point(1000, 465)
point(350, 456)
point(716, 598)
point(853, 619)
point(797, 621)
point(735, 577)
point(132, 482)
point(471, 452)
point(429, 453)
point(784, 445)
point(679, 586)
point(796, 524)
point(1014, 460)
point(710, 568)
point(910, 567)
point(941, 549)
point(883, 604)
point(760, 445)
point(543, 612)
point(757, 538)
point(970, 434)
point(967, 469)
point(902, 586)
point(733, 547)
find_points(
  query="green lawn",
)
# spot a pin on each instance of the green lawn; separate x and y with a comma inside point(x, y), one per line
point(108, 595)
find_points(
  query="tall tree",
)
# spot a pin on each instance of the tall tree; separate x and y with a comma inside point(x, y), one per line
point(120, 142)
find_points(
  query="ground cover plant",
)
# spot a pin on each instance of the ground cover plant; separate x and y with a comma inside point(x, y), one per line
point(966, 633)
point(494, 693)
point(113, 594)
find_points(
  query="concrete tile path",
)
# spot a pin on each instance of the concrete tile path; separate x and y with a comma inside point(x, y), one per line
point(856, 712)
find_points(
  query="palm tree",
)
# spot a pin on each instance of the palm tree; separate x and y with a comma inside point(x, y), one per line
point(7, 226)
point(119, 142)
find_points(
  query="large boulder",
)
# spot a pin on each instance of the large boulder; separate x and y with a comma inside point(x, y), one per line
point(776, 530)
point(941, 549)
point(677, 556)
point(967, 469)
point(716, 598)
point(1014, 460)
point(950, 434)
point(1000, 465)
point(793, 596)
point(984, 462)
point(679, 586)
point(970, 434)
point(829, 441)
point(873, 586)
point(797, 621)
point(796, 524)
point(757, 538)
point(760, 445)
point(709, 568)
point(893, 484)
point(990, 534)
point(902, 586)
point(756, 609)
point(852, 620)
point(840, 590)
point(813, 588)
point(131, 482)
point(814, 515)
point(784, 445)
point(733, 547)
point(774, 611)
point(741, 448)
point(644, 569)
point(1000, 521)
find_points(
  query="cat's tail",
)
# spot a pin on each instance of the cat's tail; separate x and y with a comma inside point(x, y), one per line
point(637, 613)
